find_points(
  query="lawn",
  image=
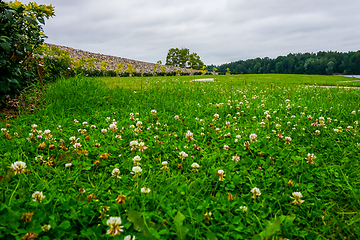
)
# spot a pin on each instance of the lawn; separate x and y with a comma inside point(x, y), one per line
point(243, 157)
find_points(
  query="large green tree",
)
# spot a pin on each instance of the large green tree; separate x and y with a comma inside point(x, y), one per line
point(21, 33)
point(182, 58)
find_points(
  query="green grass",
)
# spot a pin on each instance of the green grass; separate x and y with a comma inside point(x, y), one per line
point(221, 115)
point(237, 80)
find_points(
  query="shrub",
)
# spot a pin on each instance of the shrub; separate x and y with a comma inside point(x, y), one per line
point(21, 33)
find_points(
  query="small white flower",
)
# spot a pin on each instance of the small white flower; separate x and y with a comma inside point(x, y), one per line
point(244, 208)
point(145, 190)
point(297, 198)
point(116, 172)
point(195, 165)
point(38, 196)
point(128, 237)
point(183, 155)
point(68, 165)
point(77, 145)
point(114, 224)
point(103, 130)
point(18, 167)
point(46, 228)
point(136, 169)
point(137, 160)
point(153, 112)
point(256, 192)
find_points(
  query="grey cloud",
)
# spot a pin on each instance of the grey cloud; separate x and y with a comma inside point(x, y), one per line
point(219, 32)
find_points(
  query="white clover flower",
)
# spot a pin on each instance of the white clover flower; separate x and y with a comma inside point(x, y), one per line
point(18, 167)
point(256, 192)
point(153, 112)
point(244, 208)
point(137, 160)
point(297, 198)
point(77, 145)
point(136, 169)
point(145, 190)
point(73, 138)
point(189, 136)
point(195, 165)
point(236, 158)
point(226, 147)
point(116, 172)
point(114, 224)
point(47, 132)
point(253, 137)
point(176, 117)
point(39, 158)
point(138, 124)
point(216, 116)
point(112, 128)
point(46, 228)
point(38, 196)
point(310, 158)
point(103, 130)
point(128, 237)
point(183, 155)
point(34, 126)
point(68, 165)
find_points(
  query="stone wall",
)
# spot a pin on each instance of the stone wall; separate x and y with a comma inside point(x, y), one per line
point(114, 61)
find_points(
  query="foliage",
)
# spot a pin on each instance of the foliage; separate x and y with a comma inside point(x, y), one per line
point(203, 70)
point(103, 65)
point(130, 69)
point(258, 129)
point(195, 62)
point(84, 64)
point(182, 58)
point(119, 68)
point(299, 63)
point(163, 70)
point(21, 33)
point(56, 62)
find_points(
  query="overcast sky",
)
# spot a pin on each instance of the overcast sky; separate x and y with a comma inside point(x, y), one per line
point(218, 31)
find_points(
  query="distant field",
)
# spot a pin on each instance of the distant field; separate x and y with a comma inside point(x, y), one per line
point(237, 80)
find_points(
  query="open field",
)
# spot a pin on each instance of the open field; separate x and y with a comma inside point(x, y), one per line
point(241, 80)
point(244, 157)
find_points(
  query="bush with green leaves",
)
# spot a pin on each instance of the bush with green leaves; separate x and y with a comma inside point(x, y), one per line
point(21, 33)
point(56, 63)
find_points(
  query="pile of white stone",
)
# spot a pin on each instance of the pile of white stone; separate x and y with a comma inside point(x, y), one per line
point(114, 61)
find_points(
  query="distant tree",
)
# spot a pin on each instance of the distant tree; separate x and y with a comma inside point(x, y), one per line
point(195, 62)
point(182, 58)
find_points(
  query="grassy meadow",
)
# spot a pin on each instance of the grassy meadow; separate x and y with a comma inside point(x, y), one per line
point(243, 157)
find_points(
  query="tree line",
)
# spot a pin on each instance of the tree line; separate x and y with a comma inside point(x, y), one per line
point(321, 63)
